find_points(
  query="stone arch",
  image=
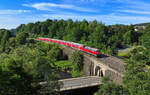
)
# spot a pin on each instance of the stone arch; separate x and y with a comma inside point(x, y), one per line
point(91, 68)
point(101, 73)
point(97, 71)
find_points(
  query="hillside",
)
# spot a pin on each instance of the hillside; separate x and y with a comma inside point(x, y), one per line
point(142, 24)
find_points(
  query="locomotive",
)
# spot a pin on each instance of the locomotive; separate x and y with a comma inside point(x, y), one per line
point(81, 47)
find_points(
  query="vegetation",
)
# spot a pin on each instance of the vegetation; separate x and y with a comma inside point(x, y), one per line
point(94, 34)
point(112, 89)
point(142, 24)
point(64, 65)
point(24, 63)
point(77, 64)
point(137, 78)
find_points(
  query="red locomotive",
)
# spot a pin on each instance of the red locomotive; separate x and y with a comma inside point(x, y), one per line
point(81, 47)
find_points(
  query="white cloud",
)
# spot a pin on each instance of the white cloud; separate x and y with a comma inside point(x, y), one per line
point(13, 21)
point(51, 6)
point(107, 19)
point(14, 11)
point(135, 4)
point(135, 11)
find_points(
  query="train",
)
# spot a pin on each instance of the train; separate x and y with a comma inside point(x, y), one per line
point(93, 51)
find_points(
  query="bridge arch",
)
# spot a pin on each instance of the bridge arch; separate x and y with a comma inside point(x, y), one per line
point(99, 71)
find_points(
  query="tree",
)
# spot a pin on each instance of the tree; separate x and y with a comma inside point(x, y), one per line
point(55, 54)
point(14, 80)
point(112, 89)
point(99, 36)
point(147, 28)
point(145, 40)
point(5, 34)
point(77, 61)
point(21, 38)
point(137, 78)
point(23, 70)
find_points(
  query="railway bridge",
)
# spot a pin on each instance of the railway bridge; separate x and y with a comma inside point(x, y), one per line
point(110, 66)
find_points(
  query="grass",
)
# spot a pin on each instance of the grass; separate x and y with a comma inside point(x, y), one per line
point(77, 74)
point(121, 54)
point(148, 67)
point(64, 65)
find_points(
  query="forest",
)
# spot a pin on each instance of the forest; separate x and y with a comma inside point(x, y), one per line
point(24, 62)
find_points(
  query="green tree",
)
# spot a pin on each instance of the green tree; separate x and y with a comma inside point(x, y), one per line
point(5, 34)
point(147, 28)
point(55, 54)
point(145, 40)
point(137, 77)
point(77, 61)
point(21, 38)
point(112, 89)
point(14, 80)
point(99, 36)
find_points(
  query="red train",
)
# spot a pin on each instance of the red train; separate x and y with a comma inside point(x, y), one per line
point(81, 47)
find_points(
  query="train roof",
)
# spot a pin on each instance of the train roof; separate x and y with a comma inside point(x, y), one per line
point(77, 44)
point(93, 49)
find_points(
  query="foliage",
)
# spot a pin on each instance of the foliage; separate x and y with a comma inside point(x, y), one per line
point(121, 54)
point(4, 36)
point(77, 64)
point(144, 39)
point(21, 37)
point(137, 80)
point(105, 79)
point(77, 74)
point(14, 79)
point(112, 89)
point(25, 66)
point(24, 63)
point(137, 77)
point(77, 61)
point(55, 53)
point(64, 65)
point(94, 34)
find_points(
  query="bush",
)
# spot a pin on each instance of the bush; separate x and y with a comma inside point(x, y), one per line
point(77, 74)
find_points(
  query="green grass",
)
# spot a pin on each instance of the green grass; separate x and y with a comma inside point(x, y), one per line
point(121, 54)
point(77, 74)
point(64, 65)
point(148, 67)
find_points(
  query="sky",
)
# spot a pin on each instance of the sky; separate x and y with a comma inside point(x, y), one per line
point(16, 12)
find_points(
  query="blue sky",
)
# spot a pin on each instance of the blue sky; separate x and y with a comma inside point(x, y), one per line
point(16, 12)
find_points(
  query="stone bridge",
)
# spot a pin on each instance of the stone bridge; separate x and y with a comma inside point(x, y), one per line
point(110, 66)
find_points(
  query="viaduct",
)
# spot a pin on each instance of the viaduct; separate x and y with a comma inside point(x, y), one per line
point(94, 68)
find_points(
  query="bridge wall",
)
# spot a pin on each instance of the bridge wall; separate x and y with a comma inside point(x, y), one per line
point(94, 67)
